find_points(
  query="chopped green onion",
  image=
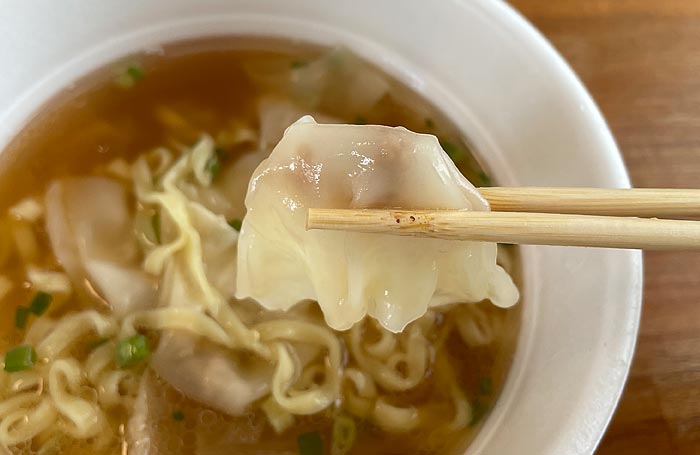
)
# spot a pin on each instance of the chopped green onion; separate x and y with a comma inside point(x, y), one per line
point(296, 64)
point(486, 386)
point(40, 303)
point(20, 358)
point(360, 120)
point(155, 224)
point(429, 123)
point(236, 224)
point(479, 410)
point(132, 351)
point(310, 443)
point(213, 165)
point(221, 153)
point(130, 76)
point(38, 306)
point(485, 179)
point(21, 317)
point(344, 432)
point(136, 72)
point(452, 150)
point(178, 416)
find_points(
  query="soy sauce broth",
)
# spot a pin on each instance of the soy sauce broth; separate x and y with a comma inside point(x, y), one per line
point(207, 84)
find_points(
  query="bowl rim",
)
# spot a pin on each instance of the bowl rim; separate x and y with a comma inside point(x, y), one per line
point(614, 161)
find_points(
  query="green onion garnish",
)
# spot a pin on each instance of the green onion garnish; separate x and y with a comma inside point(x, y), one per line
point(360, 120)
point(452, 150)
point(296, 64)
point(155, 225)
point(310, 443)
point(135, 72)
point(20, 358)
point(479, 410)
point(485, 179)
point(344, 432)
point(486, 386)
point(40, 303)
point(21, 317)
point(213, 166)
point(236, 224)
point(221, 153)
point(130, 76)
point(178, 416)
point(132, 351)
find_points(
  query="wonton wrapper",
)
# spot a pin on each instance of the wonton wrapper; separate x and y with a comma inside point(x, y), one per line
point(393, 279)
point(90, 230)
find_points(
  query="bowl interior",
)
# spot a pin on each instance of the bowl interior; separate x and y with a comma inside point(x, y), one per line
point(529, 118)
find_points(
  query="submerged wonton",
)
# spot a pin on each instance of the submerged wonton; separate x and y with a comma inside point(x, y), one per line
point(90, 229)
point(393, 279)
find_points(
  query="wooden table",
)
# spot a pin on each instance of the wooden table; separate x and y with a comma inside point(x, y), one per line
point(640, 59)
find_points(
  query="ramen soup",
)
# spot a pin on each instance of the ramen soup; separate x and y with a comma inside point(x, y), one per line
point(162, 296)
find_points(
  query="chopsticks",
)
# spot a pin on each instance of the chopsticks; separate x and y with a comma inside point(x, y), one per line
point(567, 226)
point(641, 202)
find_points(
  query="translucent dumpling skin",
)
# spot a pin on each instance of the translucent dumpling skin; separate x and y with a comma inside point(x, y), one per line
point(393, 279)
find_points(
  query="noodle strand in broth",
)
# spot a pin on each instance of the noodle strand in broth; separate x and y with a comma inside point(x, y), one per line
point(119, 261)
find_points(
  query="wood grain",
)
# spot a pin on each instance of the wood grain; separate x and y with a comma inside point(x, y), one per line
point(640, 59)
point(642, 202)
point(514, 227)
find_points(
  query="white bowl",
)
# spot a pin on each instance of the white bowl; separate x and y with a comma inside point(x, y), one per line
point(499, 80)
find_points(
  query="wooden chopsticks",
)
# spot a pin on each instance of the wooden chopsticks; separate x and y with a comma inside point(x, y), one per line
point(564, 224)
point(641, 202)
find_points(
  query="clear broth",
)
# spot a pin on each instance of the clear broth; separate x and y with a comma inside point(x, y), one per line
point(96, 121)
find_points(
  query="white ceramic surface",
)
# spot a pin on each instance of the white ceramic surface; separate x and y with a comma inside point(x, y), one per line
point(498, 79)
